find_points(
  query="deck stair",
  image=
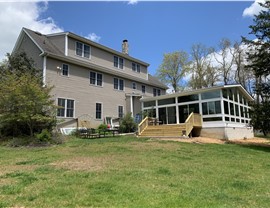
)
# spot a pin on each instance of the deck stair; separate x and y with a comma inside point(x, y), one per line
point(150, 127)
point(173, 130)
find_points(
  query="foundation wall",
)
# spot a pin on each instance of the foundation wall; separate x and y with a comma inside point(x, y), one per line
point(228, 133)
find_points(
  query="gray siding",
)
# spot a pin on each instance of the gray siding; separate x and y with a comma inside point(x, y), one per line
point(77, 87)
point(58, 41)
point(106, 59)
point(32, 51)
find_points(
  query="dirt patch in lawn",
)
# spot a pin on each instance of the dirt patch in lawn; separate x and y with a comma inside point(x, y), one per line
point(5, 169)
point(205, 140)
point(84, 163)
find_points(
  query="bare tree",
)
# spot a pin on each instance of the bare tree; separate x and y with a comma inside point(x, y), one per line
point(243, 76)
point(225, 59)
point(173, 68)
point(203, 73)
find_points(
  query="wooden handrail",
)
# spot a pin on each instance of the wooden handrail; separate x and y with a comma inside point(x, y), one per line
point(194, 119)
point(143, 125)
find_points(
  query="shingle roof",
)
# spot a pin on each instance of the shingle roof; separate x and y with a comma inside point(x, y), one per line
point(43, 42)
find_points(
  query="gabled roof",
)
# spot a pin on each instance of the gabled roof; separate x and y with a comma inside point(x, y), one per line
point(47, 48)
point(197, 91)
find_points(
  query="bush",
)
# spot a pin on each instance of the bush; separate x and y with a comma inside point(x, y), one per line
point(102, 127)
point(44, 136)
point(127, 124)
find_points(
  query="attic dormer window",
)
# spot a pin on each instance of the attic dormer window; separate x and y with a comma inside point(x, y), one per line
point(82, 50)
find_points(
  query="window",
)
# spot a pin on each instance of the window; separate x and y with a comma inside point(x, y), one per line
point(120, 111)
point(166, 101)
point(66, 108)
point(156, 92)
point(188, 98)
point(136, 67)
point(95, 79)
point(98, 110)
point(118, 62)
point(143, 89)
point(65, 70)
point(211, 108)
point(210, 95)
point(82, 50)
point(236, 109)
point(134, 86)
point(224, 93)
point(226, 107)
point(149, 104)
point(213, 119)
point(70, 108)
point(118, 84)
point(231, 109)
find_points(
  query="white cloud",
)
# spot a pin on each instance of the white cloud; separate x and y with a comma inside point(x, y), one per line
point(93, 37)
point(132, 2)
point(254, 9)
point(15, 15)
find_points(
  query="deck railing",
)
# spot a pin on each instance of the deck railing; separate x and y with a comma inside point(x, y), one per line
point(194, 119)
point(143, 125)
point(147, 121)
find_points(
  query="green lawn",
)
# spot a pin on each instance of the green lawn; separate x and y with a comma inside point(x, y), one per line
point(131, 172)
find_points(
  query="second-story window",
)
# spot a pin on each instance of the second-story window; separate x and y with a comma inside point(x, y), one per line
point(82, 50)
point(136, 67)
point(118, 84)
point(156, 92)
point(143, 89)
point(65, 70)
point(118, 62)
point(134, 86)
point(95, 79)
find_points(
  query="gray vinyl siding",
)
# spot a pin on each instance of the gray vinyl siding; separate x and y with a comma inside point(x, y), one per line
point(58, 41)
point(77, 87)
point(32, 51)
point(106, 59)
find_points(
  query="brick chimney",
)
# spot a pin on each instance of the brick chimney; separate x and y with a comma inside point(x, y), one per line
point(125, 47)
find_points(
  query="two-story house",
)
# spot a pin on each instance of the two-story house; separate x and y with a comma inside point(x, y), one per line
point(89, 79)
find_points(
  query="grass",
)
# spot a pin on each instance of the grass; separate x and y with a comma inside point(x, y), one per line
point(131, 172)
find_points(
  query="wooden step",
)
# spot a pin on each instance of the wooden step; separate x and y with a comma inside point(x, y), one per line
point(164, 131)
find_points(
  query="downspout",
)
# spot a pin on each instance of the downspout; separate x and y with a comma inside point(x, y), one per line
point(66, 45)
point(44, 68)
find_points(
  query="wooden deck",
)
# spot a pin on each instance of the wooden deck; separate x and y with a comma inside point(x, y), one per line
point(150, 128)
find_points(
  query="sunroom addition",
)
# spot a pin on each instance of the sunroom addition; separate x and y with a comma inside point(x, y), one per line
point(220, 107)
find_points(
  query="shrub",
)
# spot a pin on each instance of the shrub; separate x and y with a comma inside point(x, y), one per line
point(44, 136)
point(102, 127)
point(127, 124)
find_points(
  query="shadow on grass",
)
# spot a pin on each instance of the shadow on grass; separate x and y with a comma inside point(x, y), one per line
point(265, 147)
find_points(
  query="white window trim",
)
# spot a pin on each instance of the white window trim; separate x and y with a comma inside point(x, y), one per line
point(134, 84)
point(65, 116)
point(96, 85)
point(118, 85)
point(82, 56)
point(118, 62)
point(99, 119)
point(63, 69)
point(136, 67)
point(144, 89)
point(118, 110)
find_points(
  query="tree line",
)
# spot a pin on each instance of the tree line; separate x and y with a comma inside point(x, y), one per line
point(246, 63)
point(207, 66)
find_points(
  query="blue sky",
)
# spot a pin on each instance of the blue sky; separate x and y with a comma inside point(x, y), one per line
point(152, 28)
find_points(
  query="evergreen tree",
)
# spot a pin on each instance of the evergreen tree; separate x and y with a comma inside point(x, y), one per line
point(259, 61)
